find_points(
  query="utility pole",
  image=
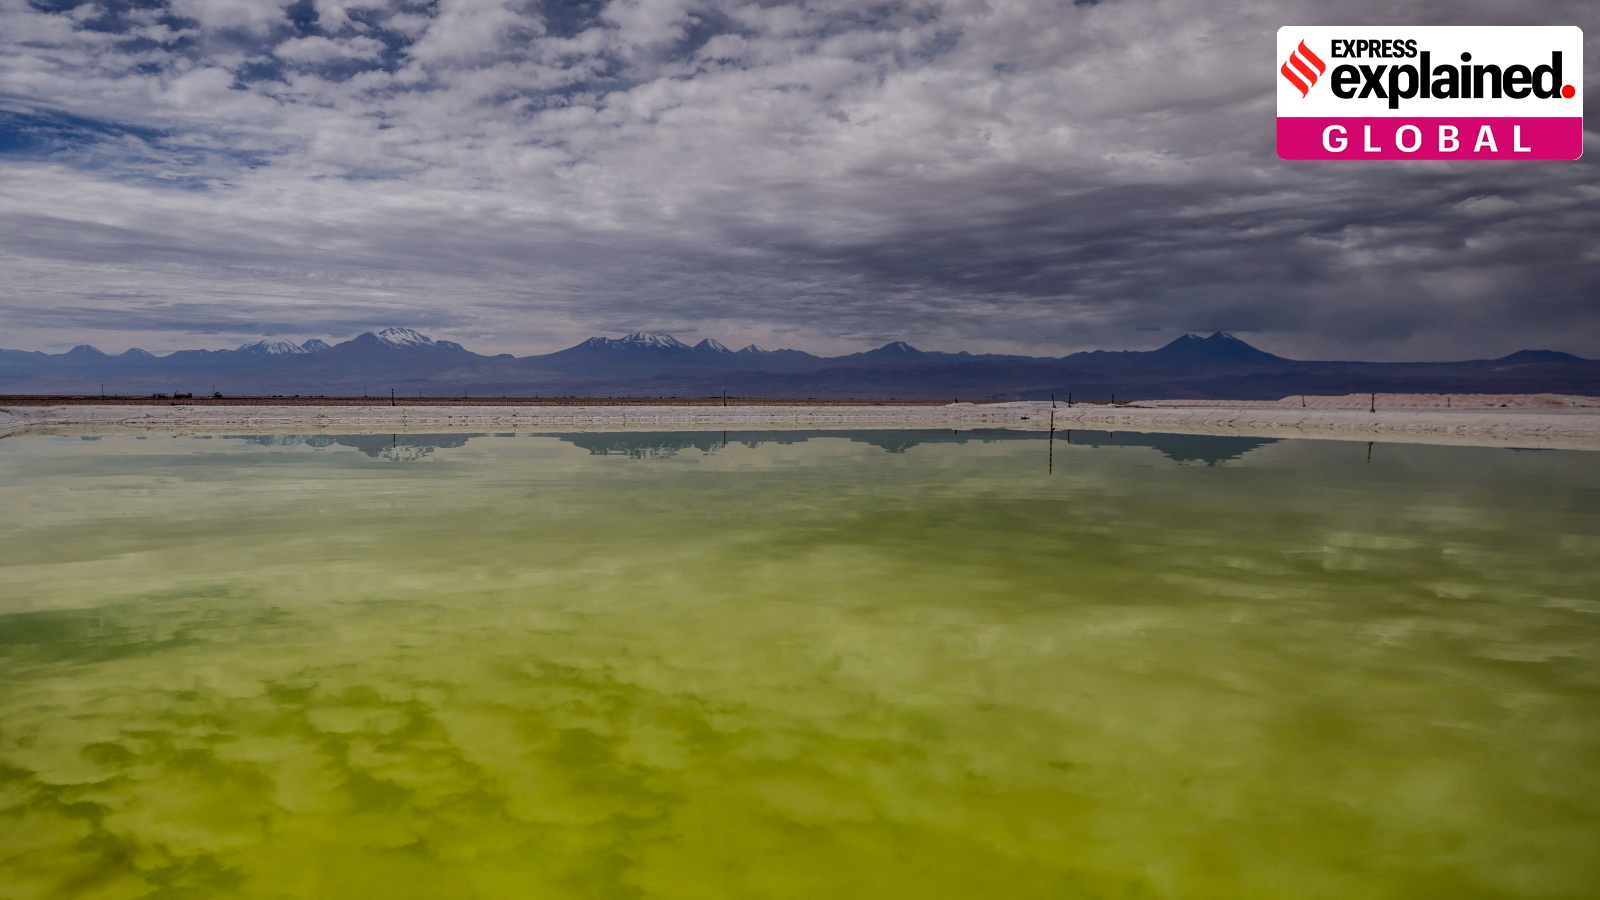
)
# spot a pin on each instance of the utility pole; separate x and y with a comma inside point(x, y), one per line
point(1050, 466)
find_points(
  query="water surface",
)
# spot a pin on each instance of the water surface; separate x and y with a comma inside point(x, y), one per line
point(796, 665)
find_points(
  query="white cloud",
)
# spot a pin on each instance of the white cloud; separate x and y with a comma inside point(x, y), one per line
point(246, 15)
point(463, 32)
point(318, 49)
point(644, 24)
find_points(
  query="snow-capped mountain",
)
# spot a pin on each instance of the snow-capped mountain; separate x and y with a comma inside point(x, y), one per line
point(282, 348)
point(270, 348)
point(711, 345)
point(399, 337)
point(639, 340)
point(753, 353)
point(403, 339)
point(644, 340)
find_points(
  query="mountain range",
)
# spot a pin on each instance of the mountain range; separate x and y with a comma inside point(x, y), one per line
point(1218, 366)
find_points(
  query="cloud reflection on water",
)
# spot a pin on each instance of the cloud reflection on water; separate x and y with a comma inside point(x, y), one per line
point(795, 668)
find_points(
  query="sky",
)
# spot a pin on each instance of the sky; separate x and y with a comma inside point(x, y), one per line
point(516, 175)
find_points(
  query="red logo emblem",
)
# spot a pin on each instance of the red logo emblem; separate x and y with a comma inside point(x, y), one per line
point(1308, 67)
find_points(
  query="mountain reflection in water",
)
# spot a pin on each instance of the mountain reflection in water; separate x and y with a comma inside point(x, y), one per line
point(1211, 450)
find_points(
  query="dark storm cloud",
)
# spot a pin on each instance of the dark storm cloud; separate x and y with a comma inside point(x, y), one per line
point(1034, 176)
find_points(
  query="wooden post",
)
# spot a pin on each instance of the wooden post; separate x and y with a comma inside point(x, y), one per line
point(391, 396)
point(1372, 404)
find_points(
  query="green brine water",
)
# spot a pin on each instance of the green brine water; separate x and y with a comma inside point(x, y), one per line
point(897, 664)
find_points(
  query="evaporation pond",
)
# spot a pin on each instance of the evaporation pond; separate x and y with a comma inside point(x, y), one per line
point(796, 665)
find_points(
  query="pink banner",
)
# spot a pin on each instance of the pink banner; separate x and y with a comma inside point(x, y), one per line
point(1448, 137)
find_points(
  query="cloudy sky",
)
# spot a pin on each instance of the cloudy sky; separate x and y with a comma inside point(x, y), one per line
point(999, 175)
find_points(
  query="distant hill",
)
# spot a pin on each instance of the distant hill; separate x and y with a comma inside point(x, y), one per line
point(1540, 356)
point(894, 350)
point(1218, 348)
point(1218, 365)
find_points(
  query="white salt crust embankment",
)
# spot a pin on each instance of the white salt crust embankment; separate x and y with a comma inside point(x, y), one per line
point(1545, 422)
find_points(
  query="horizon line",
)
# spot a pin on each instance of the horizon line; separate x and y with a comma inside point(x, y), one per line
point(331, 344)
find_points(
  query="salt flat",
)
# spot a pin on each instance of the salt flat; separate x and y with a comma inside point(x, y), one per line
point(1537, 421)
